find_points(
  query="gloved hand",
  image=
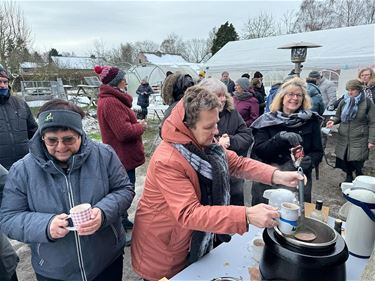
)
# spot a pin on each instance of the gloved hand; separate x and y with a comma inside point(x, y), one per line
point(306, 163)
point(293, 138)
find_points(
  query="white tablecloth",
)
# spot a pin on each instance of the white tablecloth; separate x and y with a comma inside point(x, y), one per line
point(234, 258)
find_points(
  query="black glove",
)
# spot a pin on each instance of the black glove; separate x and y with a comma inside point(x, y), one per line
point(293, 138)
point(306, 163)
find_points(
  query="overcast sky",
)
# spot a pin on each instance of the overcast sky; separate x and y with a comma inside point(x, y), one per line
point(73, 26)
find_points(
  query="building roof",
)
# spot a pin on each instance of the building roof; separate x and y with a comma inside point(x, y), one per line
point(164, 59)
point(77, 62)
point(342, 48)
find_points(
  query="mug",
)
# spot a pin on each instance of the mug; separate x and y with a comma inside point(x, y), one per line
point(79, 214)
point(288, 218)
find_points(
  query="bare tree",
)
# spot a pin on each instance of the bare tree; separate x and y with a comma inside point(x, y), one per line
point(287, 24)
point(15, 35)
point(369, 16)
point(349, 13)
point(211, 37)
point(260, 26)
point(99, 50)
point(196, 49)
point(173, 44)
point(318, 15)
point(146, 46)
point(315, 15)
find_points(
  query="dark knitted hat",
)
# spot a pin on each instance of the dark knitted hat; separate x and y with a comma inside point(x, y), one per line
point(60, 118)
point(3, 72)
point(110, 74)
point(257, 74)
point(354, 84)
point(315, 74)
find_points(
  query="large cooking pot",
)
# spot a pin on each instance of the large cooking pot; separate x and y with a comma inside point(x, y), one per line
point(285, 258)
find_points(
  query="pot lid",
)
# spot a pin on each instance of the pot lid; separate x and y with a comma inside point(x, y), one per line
point(365, 182)
point(363, 195)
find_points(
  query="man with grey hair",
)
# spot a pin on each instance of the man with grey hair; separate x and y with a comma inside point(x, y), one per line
point(327, 88)
point(228, 82)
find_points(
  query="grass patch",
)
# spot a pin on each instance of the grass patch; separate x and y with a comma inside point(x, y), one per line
point(95, 136)
point(150, 137)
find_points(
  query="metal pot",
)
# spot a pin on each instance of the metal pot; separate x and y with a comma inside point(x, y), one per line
point(326, 236)
point(285, 258)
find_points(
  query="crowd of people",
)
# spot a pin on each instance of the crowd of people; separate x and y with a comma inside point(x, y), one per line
point(215, 134)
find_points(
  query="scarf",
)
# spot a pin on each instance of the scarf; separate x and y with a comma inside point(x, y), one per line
point(4, 95)
point(350, 107)
point(293, 120)
point(243, 96)
point(213, 173)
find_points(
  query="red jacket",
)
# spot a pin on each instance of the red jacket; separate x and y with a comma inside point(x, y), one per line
point(169, 209)
point(119, 126)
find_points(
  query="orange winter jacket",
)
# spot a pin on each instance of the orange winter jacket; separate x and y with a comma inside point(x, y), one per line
point(170, 210)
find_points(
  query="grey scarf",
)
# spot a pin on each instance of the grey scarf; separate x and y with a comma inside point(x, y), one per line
point(293, 120)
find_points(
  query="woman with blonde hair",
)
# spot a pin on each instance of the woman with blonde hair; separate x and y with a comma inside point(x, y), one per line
point(289, 123)
point(367, 77)
point(233, 132)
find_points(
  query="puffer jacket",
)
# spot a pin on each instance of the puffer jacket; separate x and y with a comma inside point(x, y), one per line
point(8, 257)
point(328, 90)
point(354, 136)
point(17, 126)
point(37, 189)
point(144, 91)
point(316, 98)
point(170, 209)
point(119, 126)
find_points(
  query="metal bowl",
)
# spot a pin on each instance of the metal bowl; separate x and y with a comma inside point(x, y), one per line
point(326, 236)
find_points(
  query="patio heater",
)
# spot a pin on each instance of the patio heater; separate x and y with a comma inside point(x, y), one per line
point(299, 53)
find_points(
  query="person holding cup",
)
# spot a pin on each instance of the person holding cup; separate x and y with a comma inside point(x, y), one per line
point(62, 170)
point(289, 123)
point(184, 207)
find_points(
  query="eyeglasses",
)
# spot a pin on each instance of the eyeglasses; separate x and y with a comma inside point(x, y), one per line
point(53, 141)
point(292, 95)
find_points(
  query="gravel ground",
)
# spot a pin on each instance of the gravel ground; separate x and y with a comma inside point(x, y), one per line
point(326, 188)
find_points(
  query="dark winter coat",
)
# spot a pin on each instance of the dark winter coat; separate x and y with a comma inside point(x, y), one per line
point(37, 189)
point(17, 126)
point(261, 96)
point(119, 126)
point(231, 123)
point(273, 91)
point(354, 136)
point(316, 98)
point(272, 150)
point(230, 86)
point(8, 257)
point(370, 90)
point(144, 91)
point(248, 108)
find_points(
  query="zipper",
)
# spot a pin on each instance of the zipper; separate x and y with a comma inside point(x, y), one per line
point(71, 205)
